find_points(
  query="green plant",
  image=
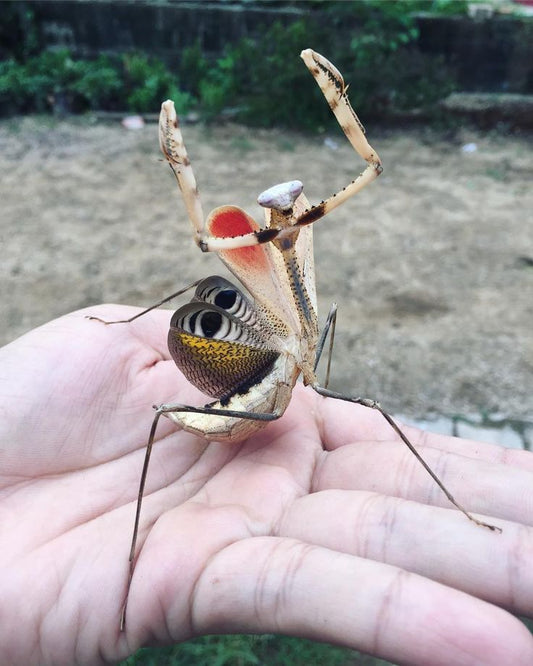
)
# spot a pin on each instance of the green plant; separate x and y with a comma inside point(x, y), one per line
point(387, 70)
point(264, 80)
point(244, 650)
point(218, 86)
point(261, 79)
point(149, 82)
point(54, 80)
point(193, 67)
point(98, 82)
point(372, 42)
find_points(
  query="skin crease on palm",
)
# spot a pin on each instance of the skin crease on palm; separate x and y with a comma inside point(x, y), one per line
point(322, 525)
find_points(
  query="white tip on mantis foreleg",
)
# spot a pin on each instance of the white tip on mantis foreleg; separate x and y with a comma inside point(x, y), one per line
point(173, 148)
point(332, 85)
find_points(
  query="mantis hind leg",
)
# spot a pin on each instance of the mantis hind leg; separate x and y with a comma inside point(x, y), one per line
point(366, 402)
point(162, 410)
point(149, 309)
point(329, 329)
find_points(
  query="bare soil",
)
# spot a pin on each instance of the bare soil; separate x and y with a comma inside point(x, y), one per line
point(432, 265)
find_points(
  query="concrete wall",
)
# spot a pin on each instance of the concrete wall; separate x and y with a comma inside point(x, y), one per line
point(493, 55)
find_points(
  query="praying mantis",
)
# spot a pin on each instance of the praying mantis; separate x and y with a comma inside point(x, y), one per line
point(247, 352)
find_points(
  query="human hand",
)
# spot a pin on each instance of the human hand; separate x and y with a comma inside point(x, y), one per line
point(322, 525)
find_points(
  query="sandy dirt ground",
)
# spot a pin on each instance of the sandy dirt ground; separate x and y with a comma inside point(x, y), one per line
point(432, 265)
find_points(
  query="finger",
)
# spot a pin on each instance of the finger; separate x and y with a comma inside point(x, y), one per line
point(344, 423)
point(285, 586)
point(390, 469)
point(436, 543)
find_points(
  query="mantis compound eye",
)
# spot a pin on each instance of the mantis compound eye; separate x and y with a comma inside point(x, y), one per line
point(281, 197)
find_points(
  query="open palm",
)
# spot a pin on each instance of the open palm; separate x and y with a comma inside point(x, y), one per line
point(322, 525)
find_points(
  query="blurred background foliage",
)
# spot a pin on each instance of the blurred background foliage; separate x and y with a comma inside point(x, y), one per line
point(253, 650)
point(378, 53)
